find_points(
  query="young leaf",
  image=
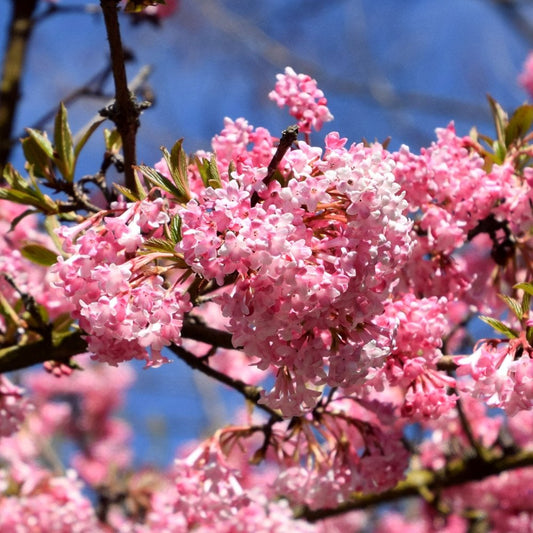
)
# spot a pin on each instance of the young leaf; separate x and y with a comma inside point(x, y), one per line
point(39, 254)
point(158, 180)
point(64, 149)
point(127, 193)
point(159, 245)
point(113, 141)
point(500, 327)
point(526, 287)
point(212, 173)
point(85, 136)
point(37, 157)
point(500, 119)
point(513, 305)
point(175, 229)
point(177, 165)
point(42, 142)
point(519, 123)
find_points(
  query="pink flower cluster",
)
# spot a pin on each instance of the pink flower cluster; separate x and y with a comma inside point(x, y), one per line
point(525, 78)
point(81, 407)
point(208, 496)
point(56, 504)
point(13, 407)
point(29, 277)
point(121, 302)
point(419, 326)
point(306, 102)
point(501, 372)
point(315, 260)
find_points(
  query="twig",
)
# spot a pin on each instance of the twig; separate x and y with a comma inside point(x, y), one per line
point(454, 474)
point(19, 34)
point(125, 111)
point(251, 393)
point(287, 138)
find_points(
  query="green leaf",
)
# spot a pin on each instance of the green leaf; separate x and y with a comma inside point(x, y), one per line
point(519, 123)
point(177, 165)
point(86, 136)
point(37, 157)
point(526, 300)
point(39, 254)
point(513, 305)
point(22, 197)
point(175, 229)
point(526, 287)
point(157, 179)
point(500, 119)
point(159, 245)
point(213, 174)
point(64, 149)
point(500, 327)
point(113, 141)
point(128, 193)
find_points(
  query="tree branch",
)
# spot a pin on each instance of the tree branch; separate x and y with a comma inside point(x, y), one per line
point(125, 111)
point(20, 30)
point(22, 356)
point(454, 474)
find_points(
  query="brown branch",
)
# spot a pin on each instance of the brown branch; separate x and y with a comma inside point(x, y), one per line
point(22, 356)
point(19, 34)
point(454, 474)
point(125, 111)
point(288, 136)
point(251, 393)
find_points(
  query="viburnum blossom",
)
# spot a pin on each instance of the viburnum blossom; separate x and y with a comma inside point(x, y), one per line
point(207, 496)
point(501, 372)
point(306, 102)
point(102, 438)
point(28, 277)
point(333, 239)
point(419, 326)
point(124, 307)
point(525, 78)
point(13, 407)
point(56, 504)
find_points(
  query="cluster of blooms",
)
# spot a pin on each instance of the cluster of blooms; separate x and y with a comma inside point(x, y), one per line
point(28, 277)
point(13, 407)
point(502, 373)
point(52, 503)
point(81, 409)
point(324, 283)
point(419, 325)
point(502, 502)
point(306, 102)
point(361, 452)
point(315, 260)
point(207, 495)
point(526, 77)
point(120, 301)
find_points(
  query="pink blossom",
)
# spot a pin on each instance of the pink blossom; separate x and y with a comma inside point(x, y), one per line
point(13, 407)
point(305, 100)
point(525, 79)
point(501, 372)
point(121, 304)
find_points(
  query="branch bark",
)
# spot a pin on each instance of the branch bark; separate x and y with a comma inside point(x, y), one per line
point(18, 37)
point(454, 474)
point(125, 111)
